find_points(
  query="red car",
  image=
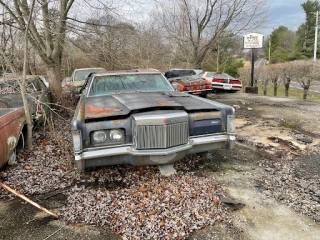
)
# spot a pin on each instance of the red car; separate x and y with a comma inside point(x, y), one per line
point(193, 84)
point(223, 82)
point(12, 129)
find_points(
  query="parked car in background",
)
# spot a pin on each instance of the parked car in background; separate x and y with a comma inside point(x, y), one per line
point(37, 93)
point(175, 72)
point(12, 132)
point(193, 84)
point(65, 81)
point(187, 80)
point(223, 82)
point(132, 117)
point(79, 77)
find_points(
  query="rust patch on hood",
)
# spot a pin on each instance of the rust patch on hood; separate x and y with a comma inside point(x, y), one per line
point(116, 122)
point(167, 103)
point(98, 110)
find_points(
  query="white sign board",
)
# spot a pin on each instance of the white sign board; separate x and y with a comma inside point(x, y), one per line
point(253, 40)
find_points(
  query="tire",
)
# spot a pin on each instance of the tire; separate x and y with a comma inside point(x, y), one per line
point(204, 95)
point(13, 158)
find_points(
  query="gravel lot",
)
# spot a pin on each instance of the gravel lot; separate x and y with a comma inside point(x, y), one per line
point(139, 203)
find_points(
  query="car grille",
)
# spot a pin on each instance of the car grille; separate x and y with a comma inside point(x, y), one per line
point(167, 131)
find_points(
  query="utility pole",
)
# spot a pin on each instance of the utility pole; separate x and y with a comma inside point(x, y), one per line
point(316, 38)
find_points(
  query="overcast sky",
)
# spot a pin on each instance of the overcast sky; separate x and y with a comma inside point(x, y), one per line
point(288, 13)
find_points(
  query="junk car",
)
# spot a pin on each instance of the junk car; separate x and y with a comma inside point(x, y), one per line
point(78, 78)
point(223, 82)
point(193, 84)
point(38, 95)
point(12, 132)
point(132, 117)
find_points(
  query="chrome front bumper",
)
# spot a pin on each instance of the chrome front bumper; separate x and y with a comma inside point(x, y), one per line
point(93, 157)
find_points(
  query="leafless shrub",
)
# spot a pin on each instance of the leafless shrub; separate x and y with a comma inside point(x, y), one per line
point(263, 72)
point(286, 75)
point(245, 76)
point(258, 75)
point(273, 73)
point(304, 71)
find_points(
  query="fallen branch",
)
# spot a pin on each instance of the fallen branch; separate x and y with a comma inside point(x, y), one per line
point(28, 200)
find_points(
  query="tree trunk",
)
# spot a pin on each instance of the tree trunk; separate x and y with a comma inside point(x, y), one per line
point(305, 92)
point(275, 89)
point(54, 76)
point(264, 92)
point(286, 88)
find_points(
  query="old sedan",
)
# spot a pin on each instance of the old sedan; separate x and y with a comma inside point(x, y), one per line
point(133, 117)
point(223, 82)
point(193, 84)
point(12, 130)
point(37, 92)
point(78, 78)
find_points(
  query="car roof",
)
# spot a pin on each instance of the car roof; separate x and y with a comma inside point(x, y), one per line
point(128, 72)
point(79, 69)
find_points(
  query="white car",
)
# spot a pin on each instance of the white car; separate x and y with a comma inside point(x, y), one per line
point(223, 82)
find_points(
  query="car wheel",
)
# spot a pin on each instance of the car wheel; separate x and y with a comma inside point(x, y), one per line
point(20, 145)
point(204, 95)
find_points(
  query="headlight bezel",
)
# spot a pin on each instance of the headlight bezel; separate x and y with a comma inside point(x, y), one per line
point(116, 131)
point(109, 139)
point(102, 133)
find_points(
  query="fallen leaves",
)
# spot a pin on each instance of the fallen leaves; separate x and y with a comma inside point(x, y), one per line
point(134, 202)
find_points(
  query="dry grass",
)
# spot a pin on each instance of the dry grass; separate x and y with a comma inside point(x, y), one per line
point(293, 92)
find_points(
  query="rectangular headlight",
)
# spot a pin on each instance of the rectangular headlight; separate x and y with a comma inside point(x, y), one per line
point(231, 125)
point(77, 141)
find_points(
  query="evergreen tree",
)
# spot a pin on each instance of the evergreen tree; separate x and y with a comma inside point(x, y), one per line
point(306, 31)
point(282, 45)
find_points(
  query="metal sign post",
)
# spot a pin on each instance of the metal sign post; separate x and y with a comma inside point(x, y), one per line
point(252, 68)
point(252, 41)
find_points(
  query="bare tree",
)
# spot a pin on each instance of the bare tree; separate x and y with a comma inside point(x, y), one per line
point(274, 77)
point(22, 81)
point(47, 33)
point(245, 76)
point(195, 26)
point(304, 72)
point(265, 79)
point(286, 74)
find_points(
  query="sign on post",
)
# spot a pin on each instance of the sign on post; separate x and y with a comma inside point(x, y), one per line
point(253, 40)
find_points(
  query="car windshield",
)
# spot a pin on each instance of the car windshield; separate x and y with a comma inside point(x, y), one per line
point(110, 84)
point(80, 75)
point(211, 74)
point(222, 75)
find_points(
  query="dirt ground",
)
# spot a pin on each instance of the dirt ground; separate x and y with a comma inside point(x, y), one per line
point(278, 141)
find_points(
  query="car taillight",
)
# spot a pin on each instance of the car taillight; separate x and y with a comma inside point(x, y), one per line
point(218, 80)
point(186, 89)
point(207, 87)
point(39, 108)
point(235, 82)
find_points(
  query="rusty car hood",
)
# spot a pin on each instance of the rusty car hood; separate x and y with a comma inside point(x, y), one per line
point(123, 104)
